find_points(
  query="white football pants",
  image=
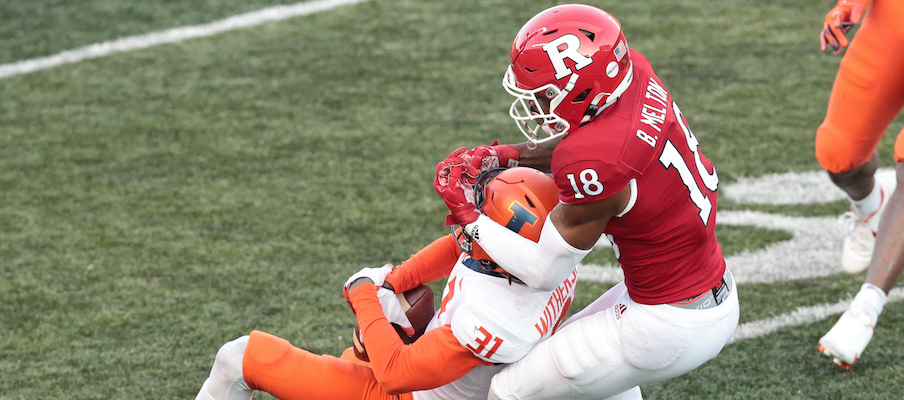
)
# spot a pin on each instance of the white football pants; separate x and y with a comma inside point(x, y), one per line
point(614, 345)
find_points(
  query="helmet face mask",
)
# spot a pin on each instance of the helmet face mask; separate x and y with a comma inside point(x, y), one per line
point(534, 110)
point(576, 57)
point(518, 198)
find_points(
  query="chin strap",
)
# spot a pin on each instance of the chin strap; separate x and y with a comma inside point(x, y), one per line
point(595, 110)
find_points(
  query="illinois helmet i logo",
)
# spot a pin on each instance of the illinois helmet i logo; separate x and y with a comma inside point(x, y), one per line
point(518, 198)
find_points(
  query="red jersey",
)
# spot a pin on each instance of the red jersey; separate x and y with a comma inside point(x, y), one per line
point(665, 241)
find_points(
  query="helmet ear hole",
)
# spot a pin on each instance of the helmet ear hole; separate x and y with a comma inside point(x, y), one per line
point(581, 97)
point(591, 111)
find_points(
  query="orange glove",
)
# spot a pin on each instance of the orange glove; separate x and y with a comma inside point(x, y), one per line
point(839, 21)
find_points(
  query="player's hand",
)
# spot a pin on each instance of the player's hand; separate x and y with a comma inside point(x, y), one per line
point(392, 308)
point(458, 194)
point(454, 183)
point(367, 275)
point(494, 156)
point(839, 22)
point(376, 275)
point(461, 159)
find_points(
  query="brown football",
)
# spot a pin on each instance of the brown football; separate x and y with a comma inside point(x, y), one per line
point(418, 306)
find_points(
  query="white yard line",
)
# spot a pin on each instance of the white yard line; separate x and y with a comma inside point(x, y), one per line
point(800, 316)
point(97, 50)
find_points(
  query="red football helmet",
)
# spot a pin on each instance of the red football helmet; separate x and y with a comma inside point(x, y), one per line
point(568, 63)
point(518, 198)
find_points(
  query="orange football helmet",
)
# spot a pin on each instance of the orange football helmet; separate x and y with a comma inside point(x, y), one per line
point(518, 198)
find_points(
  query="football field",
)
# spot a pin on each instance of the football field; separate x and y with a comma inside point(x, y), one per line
point(174, 174)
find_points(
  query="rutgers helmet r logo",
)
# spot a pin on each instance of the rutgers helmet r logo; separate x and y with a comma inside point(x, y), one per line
point(572, 44)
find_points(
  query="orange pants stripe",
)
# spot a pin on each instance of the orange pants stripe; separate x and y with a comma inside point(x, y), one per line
point(868, 91)
point(273, 365)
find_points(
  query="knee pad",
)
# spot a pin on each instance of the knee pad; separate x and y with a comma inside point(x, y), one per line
point(265, 349)
point(835, 152)
point(587, 350)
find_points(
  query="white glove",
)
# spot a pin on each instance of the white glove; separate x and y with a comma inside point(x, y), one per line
point(378, 275)
point(392, 308)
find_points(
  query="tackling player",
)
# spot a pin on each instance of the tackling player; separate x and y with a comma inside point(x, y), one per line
point(487, 318)
point(867, 95)
point(628, 166)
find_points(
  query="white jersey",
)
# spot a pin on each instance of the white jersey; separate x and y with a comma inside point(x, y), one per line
point(498, 320)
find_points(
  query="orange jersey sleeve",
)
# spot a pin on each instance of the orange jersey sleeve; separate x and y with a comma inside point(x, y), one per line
point(431, 263)
point(435, 359)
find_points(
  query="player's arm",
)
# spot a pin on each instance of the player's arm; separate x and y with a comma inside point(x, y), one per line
point(435, 359)
point(567, 236)
point(495, 155)
point(431, 263)
point(537, 156)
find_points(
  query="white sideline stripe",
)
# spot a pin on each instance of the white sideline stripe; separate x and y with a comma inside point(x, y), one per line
point(793, 188)
point(800, 316)
point(97, 50)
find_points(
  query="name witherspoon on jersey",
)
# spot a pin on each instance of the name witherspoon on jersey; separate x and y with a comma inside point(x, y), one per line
point(558, 304)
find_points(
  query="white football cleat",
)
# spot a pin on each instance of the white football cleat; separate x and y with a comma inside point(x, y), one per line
point(857, 250)
point(846, 340)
